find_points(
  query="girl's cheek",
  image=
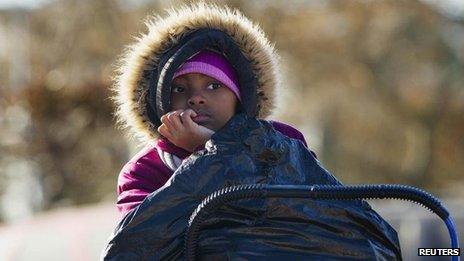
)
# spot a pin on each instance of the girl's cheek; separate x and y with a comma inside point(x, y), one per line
point(178, 103)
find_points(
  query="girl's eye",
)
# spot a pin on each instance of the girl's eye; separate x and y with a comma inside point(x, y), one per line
point(214, 85)
point(178, 89)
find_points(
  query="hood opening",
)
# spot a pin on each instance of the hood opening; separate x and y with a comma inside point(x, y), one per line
point(159, 93)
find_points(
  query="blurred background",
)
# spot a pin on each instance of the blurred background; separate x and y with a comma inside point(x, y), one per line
point(377, 88)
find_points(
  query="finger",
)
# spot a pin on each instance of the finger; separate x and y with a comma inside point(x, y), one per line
point(165, 120)
point(174, 119)
point(187, 118)
point(163, 130)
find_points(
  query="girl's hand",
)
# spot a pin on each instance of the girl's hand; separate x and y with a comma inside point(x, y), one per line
point(179, 128)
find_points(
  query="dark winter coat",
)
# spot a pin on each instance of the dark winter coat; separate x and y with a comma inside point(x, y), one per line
point(249, 151)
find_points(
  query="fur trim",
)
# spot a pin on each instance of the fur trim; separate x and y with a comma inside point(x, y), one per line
point(132, 75)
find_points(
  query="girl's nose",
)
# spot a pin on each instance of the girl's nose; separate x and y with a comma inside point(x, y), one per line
point(196, 100)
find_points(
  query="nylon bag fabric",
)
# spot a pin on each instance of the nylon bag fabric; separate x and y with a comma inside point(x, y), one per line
point(250, 151)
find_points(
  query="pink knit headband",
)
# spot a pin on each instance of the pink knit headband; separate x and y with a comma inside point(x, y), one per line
point(213, 65)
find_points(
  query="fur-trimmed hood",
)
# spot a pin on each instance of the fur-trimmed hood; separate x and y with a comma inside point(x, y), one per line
point(139, 86)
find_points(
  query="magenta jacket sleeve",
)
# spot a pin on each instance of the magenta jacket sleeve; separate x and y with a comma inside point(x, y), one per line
point(142, 175)
point(288, 131)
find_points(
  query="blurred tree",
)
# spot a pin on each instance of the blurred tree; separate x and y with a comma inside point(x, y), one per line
point(375, 85)
point(394, 82)
point(74, 142)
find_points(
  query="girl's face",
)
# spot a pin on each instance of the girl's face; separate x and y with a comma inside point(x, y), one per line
point(210, 99)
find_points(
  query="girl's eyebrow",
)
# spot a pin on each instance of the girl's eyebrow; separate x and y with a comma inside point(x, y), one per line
point(212, 80)
point(179, 81)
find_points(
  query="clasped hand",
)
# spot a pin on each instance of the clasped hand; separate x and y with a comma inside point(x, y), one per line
point(179, 128)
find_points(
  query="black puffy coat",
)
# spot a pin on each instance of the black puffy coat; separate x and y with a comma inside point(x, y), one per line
point(250, 151)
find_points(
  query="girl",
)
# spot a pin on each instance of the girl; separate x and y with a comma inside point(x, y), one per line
point(180, 84)
point(184, 80)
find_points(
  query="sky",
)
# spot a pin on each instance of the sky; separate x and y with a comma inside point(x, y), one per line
point(454, 8)
point(27, 4)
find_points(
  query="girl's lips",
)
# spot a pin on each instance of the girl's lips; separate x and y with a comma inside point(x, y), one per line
point(201, 118)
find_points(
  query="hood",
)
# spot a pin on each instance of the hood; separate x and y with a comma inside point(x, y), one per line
point(145, 69)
